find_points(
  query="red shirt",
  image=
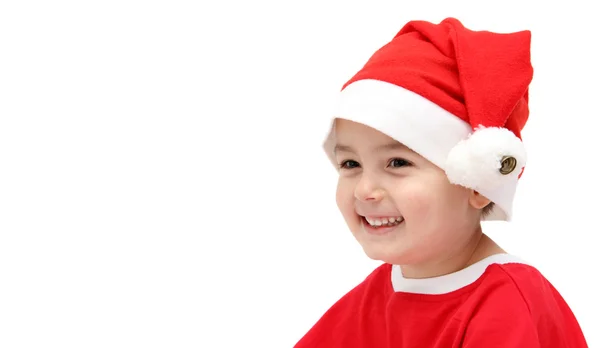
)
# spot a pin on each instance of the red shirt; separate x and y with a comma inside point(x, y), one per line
point(497, 302)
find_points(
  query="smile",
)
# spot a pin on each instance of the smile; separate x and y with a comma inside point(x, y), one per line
point(383, 222)
point(381, 226)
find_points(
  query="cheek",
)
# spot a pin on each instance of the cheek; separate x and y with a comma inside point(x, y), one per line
point(417, 203)
point(431, 201)
point(344, 197)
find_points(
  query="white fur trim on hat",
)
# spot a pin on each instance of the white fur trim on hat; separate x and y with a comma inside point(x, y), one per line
point(476, 163)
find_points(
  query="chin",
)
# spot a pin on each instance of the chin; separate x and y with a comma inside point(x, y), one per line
point(389, 248)
point(384, 254)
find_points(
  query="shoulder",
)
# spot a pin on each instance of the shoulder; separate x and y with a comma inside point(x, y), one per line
point(375, 286)
point(518, 279)
point(334, 327)
point(509, 290)
point(515, 301)
point(522, 285)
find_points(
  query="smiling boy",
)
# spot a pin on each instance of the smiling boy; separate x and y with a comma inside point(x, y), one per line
point(427, 144)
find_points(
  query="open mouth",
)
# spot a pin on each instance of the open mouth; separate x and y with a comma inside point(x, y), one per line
point(383, 222)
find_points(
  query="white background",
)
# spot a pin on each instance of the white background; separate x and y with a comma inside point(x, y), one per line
point(162, 182)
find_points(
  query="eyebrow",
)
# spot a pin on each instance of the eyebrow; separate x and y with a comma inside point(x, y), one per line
point(390, 146)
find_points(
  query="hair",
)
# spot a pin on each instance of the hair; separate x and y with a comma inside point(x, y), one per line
point(487, 209)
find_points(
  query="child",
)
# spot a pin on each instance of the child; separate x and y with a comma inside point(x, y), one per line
point(427, 143)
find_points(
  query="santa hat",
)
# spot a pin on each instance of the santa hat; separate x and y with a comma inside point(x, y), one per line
point(457, 97)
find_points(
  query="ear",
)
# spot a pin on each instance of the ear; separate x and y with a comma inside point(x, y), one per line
point(478, 201)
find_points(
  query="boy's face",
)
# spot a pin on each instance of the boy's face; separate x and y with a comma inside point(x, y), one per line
point(399, 206)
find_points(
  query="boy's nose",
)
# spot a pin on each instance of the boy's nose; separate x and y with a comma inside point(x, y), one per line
point(368, 190)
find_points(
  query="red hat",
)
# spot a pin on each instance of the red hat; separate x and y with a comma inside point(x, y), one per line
point(457, 97)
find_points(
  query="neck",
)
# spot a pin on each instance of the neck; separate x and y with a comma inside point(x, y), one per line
point(478, 247)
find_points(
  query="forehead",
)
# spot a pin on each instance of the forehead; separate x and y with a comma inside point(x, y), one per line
point(347, 129)
point(349, 134)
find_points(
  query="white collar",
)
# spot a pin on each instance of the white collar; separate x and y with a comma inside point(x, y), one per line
point(449, 282)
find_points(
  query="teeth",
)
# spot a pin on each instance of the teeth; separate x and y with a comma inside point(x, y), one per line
point(385, 221)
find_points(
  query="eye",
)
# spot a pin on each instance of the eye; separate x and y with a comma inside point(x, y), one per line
point(349, 164)
point(398, 163)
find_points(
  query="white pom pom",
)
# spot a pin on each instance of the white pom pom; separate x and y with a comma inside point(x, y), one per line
point(477, 162)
